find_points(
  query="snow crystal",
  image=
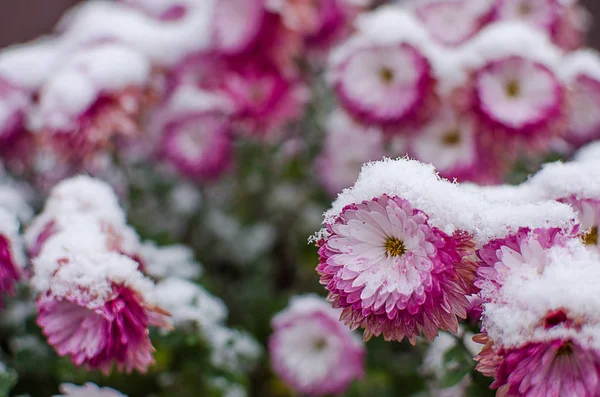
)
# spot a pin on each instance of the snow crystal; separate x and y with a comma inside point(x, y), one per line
point(568, 282)
point(508, 39)
point(189, 303)
point(585, 61)
point(170, 261)
point(450, 207)
point(165, 43)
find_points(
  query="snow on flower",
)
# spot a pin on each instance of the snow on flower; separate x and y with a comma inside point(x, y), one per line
point(95, 296)
point(95, 96)
point(87, 390)
point(94, 304)
point(541, 331)
point(88, 203)
point(312, 351)
point(337, 168)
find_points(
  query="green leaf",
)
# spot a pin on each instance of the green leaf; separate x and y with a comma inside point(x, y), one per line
point(8, 380)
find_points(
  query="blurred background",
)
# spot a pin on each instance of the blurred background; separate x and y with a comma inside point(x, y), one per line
point(25, 20)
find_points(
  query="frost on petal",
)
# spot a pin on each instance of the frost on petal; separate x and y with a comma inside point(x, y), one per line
point(312, 351)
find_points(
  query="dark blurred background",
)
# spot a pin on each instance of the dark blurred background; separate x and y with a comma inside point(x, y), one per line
point(22, 20)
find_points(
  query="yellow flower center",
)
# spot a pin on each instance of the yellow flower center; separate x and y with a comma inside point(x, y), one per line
point(386, 75)
point(513, 89)
point(394, 247)
point(591, 237)
point(320, 344)
point(525, 9)
point(564, 350)
point(451, 138)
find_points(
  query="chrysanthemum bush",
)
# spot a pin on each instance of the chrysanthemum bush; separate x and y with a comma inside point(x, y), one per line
point(163, 162)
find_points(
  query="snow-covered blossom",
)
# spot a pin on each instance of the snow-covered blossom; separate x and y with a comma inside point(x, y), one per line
point(14, 103)
point(87, 390)
point(394, 274)
point(312, 351)
point(98, 95)
point(233, 350)
point(98, 297)
point(94, 304)
point(541, 329)
point(338, 168)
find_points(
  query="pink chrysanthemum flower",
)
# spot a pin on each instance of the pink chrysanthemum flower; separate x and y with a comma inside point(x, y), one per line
point(520, 251)
point(99, 95)
point(12, 259)
point(541, 329)
point(312, 351)
point(391, 273)
point(452, 22)
point(520, 98)
point(338, 169)
point(588, 214)
point(386, 84)
point(581, 72)
point(199, 146)
point(262, 97)
point(87, 390)
point(93, 305)
point(543, 14)
point(450, 142)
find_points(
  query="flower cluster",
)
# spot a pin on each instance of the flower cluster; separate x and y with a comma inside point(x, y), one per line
point(94, 303)
point(404, 253)
point(444, 80)
point(312, 351)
